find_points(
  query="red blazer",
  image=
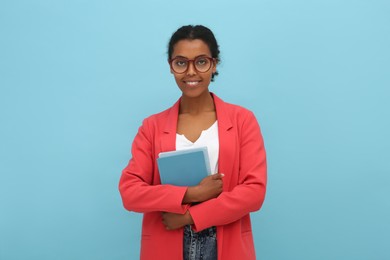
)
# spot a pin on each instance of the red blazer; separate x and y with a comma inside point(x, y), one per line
point(241, 158)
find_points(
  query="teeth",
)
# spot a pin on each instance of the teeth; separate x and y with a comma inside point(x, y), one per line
point(192, 83)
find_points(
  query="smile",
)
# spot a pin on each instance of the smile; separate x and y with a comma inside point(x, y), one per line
point(192, 83)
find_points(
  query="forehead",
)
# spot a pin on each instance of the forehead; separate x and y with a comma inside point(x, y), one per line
point(190, 49)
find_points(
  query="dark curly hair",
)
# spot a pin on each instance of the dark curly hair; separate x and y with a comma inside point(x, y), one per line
point(193, 32)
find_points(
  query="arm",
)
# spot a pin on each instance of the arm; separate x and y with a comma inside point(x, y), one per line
point(210, 187)
point(249, 193)
point(136, 185)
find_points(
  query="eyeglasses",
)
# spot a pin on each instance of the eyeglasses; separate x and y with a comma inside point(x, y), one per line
point(201, 64)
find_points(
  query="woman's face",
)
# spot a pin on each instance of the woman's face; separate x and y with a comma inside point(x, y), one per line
point(192, 82)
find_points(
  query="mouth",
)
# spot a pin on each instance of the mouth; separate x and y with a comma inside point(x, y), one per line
point(192, 83)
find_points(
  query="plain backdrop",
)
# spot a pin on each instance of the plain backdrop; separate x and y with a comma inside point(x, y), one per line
point(77, 77)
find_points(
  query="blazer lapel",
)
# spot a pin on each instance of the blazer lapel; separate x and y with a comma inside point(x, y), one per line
point(227, 141)
point(168, 136)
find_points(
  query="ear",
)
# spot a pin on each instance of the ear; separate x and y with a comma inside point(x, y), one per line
point(214, 66)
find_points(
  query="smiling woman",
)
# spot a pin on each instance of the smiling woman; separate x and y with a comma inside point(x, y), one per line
point(210, 220)
point(192, 66)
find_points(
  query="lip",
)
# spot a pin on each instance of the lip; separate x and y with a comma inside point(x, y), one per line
point(192, 83)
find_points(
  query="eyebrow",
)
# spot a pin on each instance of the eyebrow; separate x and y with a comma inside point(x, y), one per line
point(179, 56)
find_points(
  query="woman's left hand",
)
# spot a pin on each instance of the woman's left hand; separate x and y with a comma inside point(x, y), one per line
point(174, 221)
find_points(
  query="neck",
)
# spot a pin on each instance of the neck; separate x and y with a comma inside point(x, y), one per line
point(198, 105)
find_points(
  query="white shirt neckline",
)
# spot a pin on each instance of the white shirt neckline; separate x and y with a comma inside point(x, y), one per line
point(203, 134)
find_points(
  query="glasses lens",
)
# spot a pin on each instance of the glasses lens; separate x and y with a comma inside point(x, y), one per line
point(202, 64)
point(179, 65)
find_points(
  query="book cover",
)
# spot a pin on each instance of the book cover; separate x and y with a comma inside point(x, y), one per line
point(184, 167)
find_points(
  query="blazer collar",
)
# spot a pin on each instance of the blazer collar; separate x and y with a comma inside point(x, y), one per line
point(222, 115)
point(173, 115)
point(168, 140)
point(223, 118)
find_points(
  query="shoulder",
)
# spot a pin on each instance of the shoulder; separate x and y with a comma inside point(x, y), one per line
point(230, 106)
point(236, 113)
point(154, 122)
point(158, 116)
point(237, 109)
point(165, 119)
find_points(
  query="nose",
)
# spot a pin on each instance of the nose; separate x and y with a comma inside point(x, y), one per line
point(191, 68)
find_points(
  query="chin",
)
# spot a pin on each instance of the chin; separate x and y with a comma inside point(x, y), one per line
point(193, 93)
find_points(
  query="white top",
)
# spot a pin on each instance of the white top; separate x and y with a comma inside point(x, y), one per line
point(209, 138)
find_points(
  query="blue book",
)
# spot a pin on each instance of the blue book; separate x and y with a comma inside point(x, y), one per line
point(184, 167)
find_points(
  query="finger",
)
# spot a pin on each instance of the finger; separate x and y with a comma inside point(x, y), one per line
point(218, 176)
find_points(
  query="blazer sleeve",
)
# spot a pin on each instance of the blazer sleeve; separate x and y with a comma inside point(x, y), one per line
point(137, 188)
point(249, 194)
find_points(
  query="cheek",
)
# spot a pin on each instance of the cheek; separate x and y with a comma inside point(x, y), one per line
point(177, 79)
point(210, 75)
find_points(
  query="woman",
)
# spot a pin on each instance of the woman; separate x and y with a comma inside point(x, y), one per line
point(210, 220)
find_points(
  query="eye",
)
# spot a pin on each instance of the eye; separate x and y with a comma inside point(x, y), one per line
point(180, 63)
point(202, 61)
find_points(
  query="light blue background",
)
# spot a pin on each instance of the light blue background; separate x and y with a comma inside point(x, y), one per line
point(78, 77)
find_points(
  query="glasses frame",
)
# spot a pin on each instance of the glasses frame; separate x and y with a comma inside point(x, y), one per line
point(212, 62)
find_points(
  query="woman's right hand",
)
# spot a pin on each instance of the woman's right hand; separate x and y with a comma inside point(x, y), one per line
point(210, 187)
